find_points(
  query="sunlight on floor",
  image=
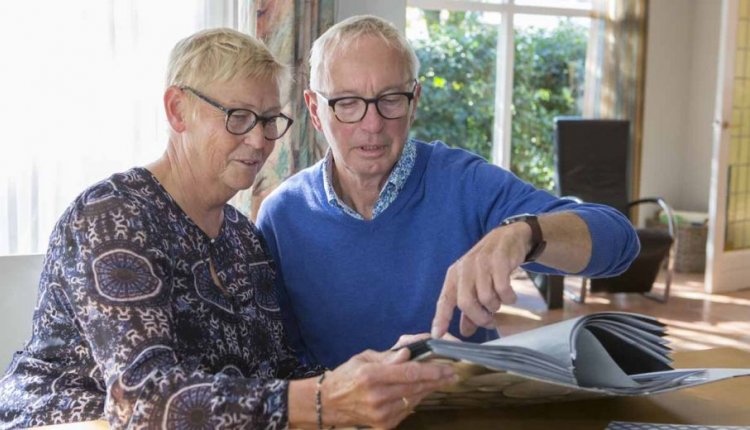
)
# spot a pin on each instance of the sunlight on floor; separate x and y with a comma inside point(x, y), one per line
point(701, 335)
point(712, 298)
point(696, 320)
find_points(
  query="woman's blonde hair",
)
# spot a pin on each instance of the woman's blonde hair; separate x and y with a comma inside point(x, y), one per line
point(343, 34)
point(221, 55)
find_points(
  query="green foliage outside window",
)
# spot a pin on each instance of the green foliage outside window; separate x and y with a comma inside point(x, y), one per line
point(458, 82)
point(458, 88)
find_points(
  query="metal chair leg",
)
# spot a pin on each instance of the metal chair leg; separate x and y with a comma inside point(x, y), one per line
point(667, 282)
point(581, 297)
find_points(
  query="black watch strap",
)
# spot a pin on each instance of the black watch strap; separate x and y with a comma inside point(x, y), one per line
point(537, 239)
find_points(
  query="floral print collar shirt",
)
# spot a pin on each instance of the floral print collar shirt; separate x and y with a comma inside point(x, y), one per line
point(388, 194)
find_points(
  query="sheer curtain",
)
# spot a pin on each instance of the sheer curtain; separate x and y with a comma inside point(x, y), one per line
point(83, 82)
point(615, 68)
point(289, 27)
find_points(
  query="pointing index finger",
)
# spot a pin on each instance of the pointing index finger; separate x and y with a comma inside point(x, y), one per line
point(444, 308)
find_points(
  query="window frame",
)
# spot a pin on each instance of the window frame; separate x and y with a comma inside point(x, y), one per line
point(501, 131)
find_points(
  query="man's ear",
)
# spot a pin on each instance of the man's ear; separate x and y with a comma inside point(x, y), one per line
point(415, 101)
point(311, 101)
point(175, 108)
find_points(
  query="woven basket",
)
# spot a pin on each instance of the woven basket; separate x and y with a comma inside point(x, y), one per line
point(691, 246)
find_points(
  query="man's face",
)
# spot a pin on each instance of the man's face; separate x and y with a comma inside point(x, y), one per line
point(366, 150)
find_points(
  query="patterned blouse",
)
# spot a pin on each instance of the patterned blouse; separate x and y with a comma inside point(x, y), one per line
point(130, 326)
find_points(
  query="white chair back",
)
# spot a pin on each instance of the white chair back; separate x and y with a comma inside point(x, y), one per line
point(19, 281)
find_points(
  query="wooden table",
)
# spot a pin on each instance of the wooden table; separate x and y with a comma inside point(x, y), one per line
point(720, 403)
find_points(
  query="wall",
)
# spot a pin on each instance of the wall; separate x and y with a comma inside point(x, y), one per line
point(668, 62)
point(392, 10)
point(683, 40)
point(704, 68)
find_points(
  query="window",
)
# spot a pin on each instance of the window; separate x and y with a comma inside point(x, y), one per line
point(496, 73)
point(82, 99)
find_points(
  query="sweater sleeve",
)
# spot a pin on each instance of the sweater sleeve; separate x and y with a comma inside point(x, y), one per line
point(500, 195)
point(116, 282)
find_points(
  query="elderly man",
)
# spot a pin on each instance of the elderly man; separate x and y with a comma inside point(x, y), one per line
point(388, 235)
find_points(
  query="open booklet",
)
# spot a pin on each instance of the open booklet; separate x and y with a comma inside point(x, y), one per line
point(596, 355)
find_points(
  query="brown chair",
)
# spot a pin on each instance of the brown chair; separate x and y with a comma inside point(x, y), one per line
point(593, 164)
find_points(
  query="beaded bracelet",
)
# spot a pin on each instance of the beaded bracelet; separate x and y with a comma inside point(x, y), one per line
point(318, 404)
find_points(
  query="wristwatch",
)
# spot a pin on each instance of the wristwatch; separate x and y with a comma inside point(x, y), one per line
point(537, 240)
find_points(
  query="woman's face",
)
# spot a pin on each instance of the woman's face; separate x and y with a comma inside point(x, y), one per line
point(220, 158)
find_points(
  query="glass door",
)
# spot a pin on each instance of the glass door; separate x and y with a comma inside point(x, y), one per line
point(728, 249)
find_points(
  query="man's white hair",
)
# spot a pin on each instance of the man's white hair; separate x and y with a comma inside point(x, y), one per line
point(342, 35)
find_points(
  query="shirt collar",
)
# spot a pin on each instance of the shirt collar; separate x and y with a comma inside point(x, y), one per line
point(394, 184)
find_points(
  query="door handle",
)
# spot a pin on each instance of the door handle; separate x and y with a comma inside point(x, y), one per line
point(723, 124)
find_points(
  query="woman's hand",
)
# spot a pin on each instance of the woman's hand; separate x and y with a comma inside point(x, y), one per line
point(379, 389)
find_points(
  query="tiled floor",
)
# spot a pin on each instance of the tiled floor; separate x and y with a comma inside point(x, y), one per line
point(696, 320)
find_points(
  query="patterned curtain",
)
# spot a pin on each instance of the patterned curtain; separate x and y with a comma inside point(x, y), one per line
point(615, 68)
point(289, 27)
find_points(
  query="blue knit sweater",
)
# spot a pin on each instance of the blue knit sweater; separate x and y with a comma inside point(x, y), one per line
point(346, 285)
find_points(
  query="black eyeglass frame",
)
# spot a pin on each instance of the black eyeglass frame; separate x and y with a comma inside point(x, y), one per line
point(374, 100)
point(228, 113)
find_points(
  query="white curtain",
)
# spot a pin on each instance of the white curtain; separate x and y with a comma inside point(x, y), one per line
point(82, 98)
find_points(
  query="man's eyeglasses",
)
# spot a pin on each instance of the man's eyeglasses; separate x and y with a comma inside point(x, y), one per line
point(241, 121)
point(351, 109)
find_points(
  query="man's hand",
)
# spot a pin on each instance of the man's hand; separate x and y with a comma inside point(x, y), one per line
point(479, 282)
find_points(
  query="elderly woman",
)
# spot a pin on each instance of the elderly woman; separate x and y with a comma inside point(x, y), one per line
point(156, 306)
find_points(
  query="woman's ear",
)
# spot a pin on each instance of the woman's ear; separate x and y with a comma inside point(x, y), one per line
point(311, 100)
point(175, 108)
